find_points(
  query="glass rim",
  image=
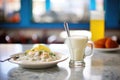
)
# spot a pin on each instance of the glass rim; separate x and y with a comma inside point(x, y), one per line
point(78, 36)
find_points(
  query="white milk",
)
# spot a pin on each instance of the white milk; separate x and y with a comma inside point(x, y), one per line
point(77, 46)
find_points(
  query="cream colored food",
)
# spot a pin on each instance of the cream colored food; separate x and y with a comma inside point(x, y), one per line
point(38, 53)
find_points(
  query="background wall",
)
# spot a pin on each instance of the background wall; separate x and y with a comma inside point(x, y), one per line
point(112, 17)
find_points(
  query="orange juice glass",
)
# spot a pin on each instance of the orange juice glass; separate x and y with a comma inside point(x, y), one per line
point(97, 25)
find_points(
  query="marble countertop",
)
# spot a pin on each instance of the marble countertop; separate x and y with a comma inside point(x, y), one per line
point(101, 66)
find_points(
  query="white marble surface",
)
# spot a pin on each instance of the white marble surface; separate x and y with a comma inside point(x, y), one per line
point(102, 66)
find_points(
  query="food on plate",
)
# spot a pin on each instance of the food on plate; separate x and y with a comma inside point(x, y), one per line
point(111, 44)
point(105, 43)
point(100, 43)
point(40, 53)
point(38, 47)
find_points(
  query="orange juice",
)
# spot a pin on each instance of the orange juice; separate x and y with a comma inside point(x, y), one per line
point(97, 25)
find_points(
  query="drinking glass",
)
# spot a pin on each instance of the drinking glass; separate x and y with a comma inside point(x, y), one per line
point(77, 46)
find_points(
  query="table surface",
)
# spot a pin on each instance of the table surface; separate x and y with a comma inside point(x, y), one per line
point(101, 66)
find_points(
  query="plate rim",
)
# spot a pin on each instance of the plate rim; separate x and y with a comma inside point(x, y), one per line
point(107, 49)
point(63, 57)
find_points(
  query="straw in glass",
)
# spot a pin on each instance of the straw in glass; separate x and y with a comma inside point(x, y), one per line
point(67, 28)
point(68, 34)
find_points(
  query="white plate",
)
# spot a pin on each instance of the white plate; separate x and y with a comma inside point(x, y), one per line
point(38, 64)
point(107, 49)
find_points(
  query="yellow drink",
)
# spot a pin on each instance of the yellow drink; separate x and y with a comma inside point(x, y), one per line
point(97, 26)
point(97, 29)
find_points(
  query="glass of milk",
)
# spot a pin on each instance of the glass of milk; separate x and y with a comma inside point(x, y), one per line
point(77, 45)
